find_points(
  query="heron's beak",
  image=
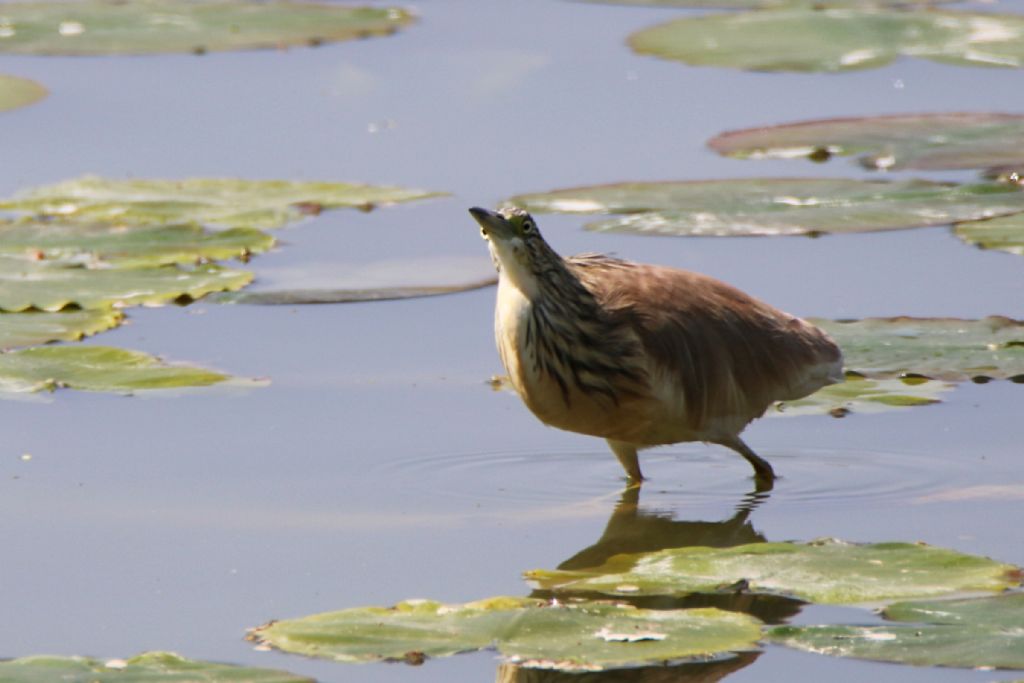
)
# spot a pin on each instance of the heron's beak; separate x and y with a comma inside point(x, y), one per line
point(493, 224)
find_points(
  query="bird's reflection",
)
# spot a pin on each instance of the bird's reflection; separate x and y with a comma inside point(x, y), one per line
point(633, 529)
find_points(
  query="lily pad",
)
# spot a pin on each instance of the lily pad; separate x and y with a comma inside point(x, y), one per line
point(150, 667)
point(1005, 233)
point(18, 92)
point(835, 39)
point(531, 633)
point(213, 202)
point(35, 327)
point(27, 284)
point(862, 395)
point(923, 141)
point(778, 206)
point(127, 246)
point(95, 368)
point(950, 349)
point(107, 27)
point(826, 571)
point(976, 632)
point(382, 280)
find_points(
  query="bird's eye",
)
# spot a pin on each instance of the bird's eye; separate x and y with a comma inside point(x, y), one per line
point(528, 227)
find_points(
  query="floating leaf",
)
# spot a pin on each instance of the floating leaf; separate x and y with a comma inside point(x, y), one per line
point(103, 27)
point(150, 667)
point(18, 92)
point(941, 348)
point(835, 39)
point(213, 202)
point(975, 632)
point(531, 633)
point(826, 571)
point(861, 395)
point(95, 368)
point(924, 141)
point(35, 327)
point(333, 283)
point(116, 244)
point(29, 284)
point(778, 206)
point(1005, 233)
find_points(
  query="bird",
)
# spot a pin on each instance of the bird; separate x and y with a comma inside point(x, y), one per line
point(643, 355)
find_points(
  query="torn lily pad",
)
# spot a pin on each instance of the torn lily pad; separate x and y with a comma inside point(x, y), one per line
point(18, 92)
point(1005, 233)
point(972, 633)
point(106, 27)
point(777, 206)
point(826, 571)
point(864, 396)
point(378, 281)
point(36, 327)
point(949, 349)
point(212, 202)
point(528, 632)
point(150, 667)
point(95, 368)
point(809, 40)
point(126, 245)
point(38, 285)
point(922, 141)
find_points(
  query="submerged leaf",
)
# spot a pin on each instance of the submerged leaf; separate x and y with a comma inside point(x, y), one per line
point(30, 284)
point(861, 395)
point(924, 141)
point(1005, 233)
point(213, 202)
point(18, 92)
point(150, 667)
point(976, 632)
point(941, 348)
point(95, 368)
point(106, 27)
point(531, 633)
point(35, 327)
point(127, 246)
point(825, 571)
point(778, 206)
point(835, 39)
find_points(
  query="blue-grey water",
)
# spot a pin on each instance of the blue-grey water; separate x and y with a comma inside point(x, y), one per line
point(378, 465)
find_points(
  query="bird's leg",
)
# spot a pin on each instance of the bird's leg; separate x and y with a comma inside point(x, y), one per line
point(626, 453)
point(764, 475)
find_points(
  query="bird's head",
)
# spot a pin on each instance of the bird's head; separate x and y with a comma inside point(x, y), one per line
point(516, 245)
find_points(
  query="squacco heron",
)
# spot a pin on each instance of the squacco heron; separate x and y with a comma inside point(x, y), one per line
point(643, 355)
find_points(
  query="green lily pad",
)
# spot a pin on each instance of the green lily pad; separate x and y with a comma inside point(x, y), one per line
point(1005, 233)
point(95, 368)
point(382, 280)
point(835, 39)
point(973, 632)
point(149, 667)
point(18, 92)
point(528, 632)
point(98, 27)
point(778, 206)
point(35, 327)
point(213, 202)
point(949, 349)
point(924, 141)
point(826, 571)
point(29, 284)
point(862, 395)
point(127, 246)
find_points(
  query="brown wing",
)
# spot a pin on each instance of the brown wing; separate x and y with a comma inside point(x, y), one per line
point(729, 353)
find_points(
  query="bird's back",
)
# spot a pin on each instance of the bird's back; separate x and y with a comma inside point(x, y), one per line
point(719, 353)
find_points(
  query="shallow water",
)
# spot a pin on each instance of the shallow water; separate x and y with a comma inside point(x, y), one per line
point(378, 465)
